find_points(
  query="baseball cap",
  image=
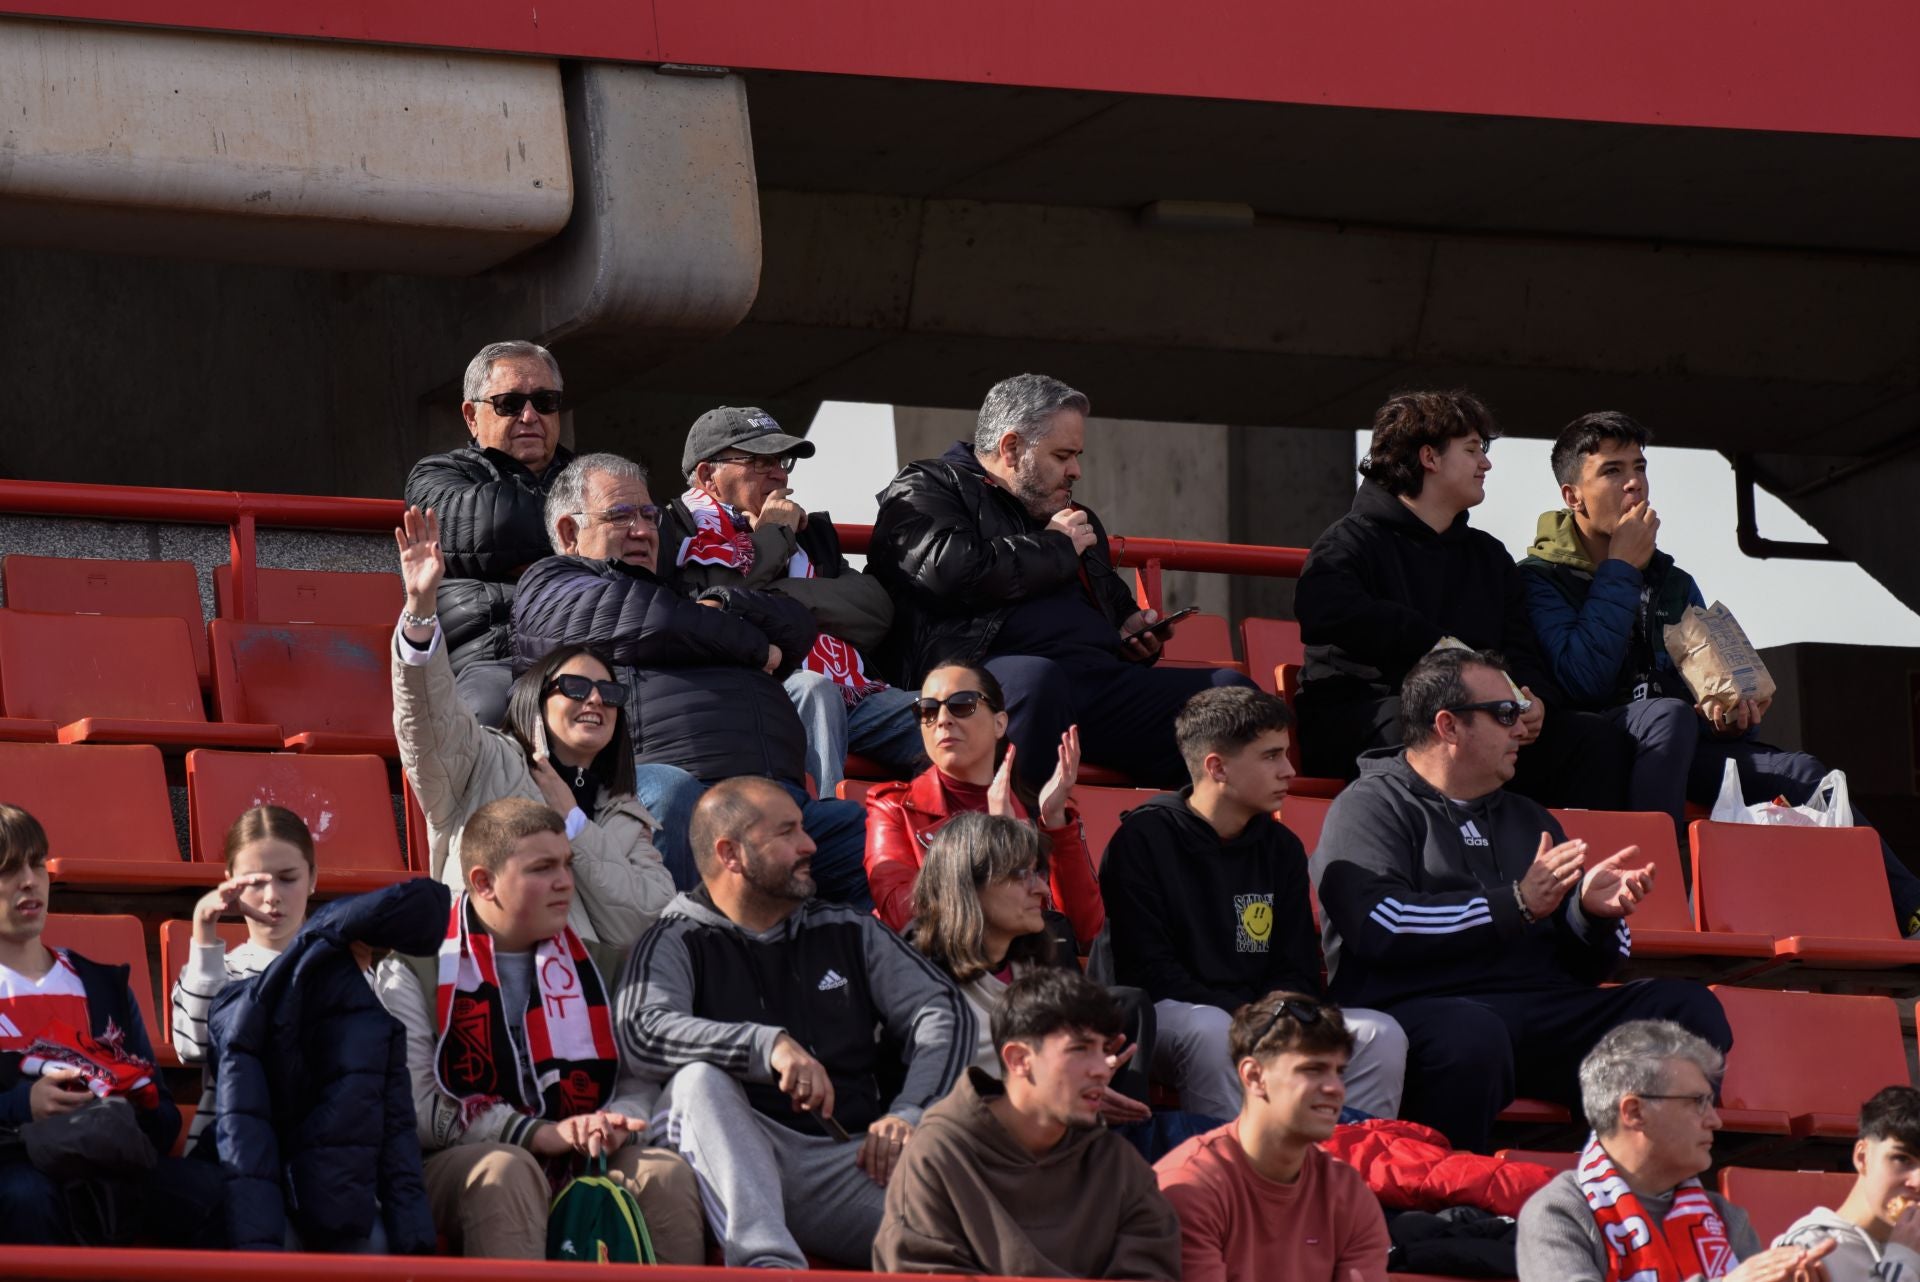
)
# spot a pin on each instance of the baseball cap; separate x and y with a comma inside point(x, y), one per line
point(741, 427)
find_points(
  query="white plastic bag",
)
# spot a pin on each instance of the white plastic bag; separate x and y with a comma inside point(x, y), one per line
point(1827, 808)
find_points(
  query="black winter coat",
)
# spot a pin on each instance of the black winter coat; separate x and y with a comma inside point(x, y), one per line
point(958, 554)
point(315, 1118)
point(492, 526)
point(702, 699)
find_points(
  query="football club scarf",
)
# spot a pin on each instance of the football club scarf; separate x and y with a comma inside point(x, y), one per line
point(103, 1065)
point(1691, 1240)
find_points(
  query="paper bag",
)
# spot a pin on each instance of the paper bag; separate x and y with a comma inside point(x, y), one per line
point(1715, 658)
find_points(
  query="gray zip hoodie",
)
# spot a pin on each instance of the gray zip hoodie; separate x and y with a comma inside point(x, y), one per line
point(1856, 1257)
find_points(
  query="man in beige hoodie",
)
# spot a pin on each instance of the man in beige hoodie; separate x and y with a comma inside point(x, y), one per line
point(1015, 1176)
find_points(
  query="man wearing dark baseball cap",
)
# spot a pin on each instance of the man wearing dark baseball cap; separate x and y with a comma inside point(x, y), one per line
point(738, 525)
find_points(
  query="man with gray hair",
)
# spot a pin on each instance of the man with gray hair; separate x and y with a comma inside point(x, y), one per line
point(1634, 1207)
point(489, 495)
point(990, 561)
point(705, 673)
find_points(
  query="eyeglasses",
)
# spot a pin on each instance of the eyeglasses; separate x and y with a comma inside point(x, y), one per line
point(760, 464)
point(1307, 1013)
point(577, 688)
point(960, 703)
point(1031, 875)
point(627, 515)
point(1505, 711)
point(1702, 1103)
point(509, 404)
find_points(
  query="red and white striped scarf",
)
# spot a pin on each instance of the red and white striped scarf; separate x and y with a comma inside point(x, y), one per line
point(1691, 1240)
point(571, 1059)
point(720, 538)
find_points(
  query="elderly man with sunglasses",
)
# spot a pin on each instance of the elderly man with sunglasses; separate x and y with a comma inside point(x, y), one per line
point(1461, 909)
point(489, 495)
point(738, 525)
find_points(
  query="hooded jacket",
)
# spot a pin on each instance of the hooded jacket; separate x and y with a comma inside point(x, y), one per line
point(1201, 920)
point(316, 1117)
point(1417, 893)
point(957, 554)
point(702, 699)
point(1380, 586)
point(968, 1197)
point(1602, 626)
point(492, 511)
point(892, 1031)
point(1856, 1257)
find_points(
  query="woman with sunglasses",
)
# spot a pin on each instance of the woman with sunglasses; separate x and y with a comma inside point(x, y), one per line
point(963, 725)
point(566, 743)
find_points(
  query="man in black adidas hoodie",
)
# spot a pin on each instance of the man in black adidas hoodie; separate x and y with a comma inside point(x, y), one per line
point(1462, 910)
point(1404, 569)
point(1207, 903)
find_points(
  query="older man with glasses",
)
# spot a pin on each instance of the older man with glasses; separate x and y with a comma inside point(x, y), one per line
point(489, 495)
point(738, 525)
point(1460, 908)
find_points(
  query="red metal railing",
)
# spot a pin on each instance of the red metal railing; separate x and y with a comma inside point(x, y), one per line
point(242, 513)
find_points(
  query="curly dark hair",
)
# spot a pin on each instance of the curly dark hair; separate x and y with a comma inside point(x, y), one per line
point(1414, 419)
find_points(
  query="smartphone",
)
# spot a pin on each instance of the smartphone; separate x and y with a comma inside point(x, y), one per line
point(836, 1131)
point(1159, 626)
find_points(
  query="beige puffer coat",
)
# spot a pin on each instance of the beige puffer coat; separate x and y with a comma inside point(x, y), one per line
point(456, 766)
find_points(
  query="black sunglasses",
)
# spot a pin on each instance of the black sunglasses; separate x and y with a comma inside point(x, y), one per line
point(1505, 711)
point(509, 404)
point(1307, 1013)
point(960, 703)
point(577, 688)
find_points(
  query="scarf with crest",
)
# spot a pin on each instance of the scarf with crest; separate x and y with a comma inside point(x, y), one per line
point(1691, 1240)
point(721, 538)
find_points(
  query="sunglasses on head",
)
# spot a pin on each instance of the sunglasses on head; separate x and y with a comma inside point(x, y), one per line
point(960, 703)
point(1306, 1013)
point(509, 404)
point(577, 688)
point(1505, 711)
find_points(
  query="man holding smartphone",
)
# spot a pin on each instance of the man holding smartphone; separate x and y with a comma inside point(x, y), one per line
point(990, 560)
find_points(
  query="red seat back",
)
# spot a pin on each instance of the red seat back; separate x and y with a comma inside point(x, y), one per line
point(1305, 816)
point(853, 790)
point(1809, 1053)
point(1607, 832)
point(111, 939)
point(1791, 881)
point(106, 803)
point(355, 598)
point(1101, 810)
point(304, 677)
point(1287, 678)
point(65, 667)
point(1200, 638)
point(344, 800)
point(1268, 643)
point(176, 942)
point(80, 585)
point(1773, 1200)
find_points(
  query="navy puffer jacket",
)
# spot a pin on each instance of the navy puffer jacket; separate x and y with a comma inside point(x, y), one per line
point(315, 1118)
point(704, 701)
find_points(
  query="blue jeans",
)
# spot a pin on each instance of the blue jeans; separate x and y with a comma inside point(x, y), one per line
point(838, 829)
point(880, 726)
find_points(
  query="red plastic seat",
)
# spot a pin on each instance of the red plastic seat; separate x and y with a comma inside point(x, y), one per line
point(1802, 1062)
point(1201, 639)
point(176, 942)
point(1773, 1200)
point(1820, 892)
point(1552, 1158)
point(1268, 643)
point(1662, 926)
point(1286, 678)
point(1536, 1112)
point(82, 585)
point(344, 800)
point(327, 685)
point(112, 679)
point(356, 598)
point(112, 939)
point(105, 810)
point(1305, 816)
point(853, 790)
point(1101, 810)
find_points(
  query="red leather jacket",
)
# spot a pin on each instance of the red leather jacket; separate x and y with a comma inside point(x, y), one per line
point(902, 818)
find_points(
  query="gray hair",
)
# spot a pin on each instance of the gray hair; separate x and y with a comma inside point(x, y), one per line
point(1632, 1060)
point(1025, 403)
point(569, 489)
point(516, 349)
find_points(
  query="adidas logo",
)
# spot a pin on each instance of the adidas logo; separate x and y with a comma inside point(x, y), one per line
point(831, 980)
point(8, 1028)
point(1471, 835)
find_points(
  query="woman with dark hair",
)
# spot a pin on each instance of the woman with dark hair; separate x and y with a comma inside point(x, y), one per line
point(963, 724)
point(566, 744)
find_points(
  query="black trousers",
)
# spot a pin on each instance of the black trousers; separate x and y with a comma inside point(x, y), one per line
point(1469, 1057)
point(1581, 759)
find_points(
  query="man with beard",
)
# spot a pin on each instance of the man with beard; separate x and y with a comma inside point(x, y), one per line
point(990, 561)
point(774, 1020)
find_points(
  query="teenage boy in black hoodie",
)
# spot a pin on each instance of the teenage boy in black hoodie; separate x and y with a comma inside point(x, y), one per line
point(1402, 570)
point(1207, 902)
point(1462, 910)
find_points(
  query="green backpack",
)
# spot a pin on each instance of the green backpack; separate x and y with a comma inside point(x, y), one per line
point(595, 1219)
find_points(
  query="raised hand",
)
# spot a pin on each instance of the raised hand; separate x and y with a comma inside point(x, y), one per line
point(551, 785)
point(1059, 786)
point(1534, 717)
point(1612, 889)
point(422, 563)
point(1555, 871)
point(1635, 535)
point(1076, 525)
point(224, 901)
point(779, 509)
point(1000, 791)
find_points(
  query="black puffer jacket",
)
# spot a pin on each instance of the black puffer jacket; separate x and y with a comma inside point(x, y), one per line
point(704, 701)
point(958, 554)
point(492, 526)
